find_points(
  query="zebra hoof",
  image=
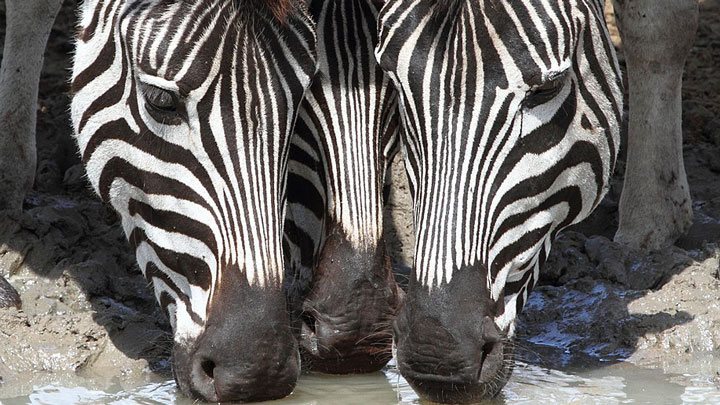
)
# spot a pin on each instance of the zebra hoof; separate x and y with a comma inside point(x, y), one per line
point(9, 296)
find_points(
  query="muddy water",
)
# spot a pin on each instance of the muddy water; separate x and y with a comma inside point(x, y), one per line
point(692, 382)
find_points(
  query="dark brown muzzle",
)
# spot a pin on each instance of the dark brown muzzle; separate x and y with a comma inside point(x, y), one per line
point(347, 317)
point(247, 351)
point(448, 346)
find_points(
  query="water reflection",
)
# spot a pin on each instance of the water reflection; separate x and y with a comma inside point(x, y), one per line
point(530, 384)
point(375, 388)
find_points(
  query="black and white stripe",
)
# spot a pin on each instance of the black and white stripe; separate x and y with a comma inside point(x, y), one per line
point(345, 135)
point(183, 113)
point(511, 113)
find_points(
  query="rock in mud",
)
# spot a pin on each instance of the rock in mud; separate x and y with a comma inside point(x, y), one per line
point(9, 297)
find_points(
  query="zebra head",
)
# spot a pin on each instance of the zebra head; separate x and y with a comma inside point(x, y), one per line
point(344, 137)
point(182, 112)
point(511, 114)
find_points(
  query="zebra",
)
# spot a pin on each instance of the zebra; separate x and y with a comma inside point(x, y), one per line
point(511, 115)
point(182, 113)
point(339, 278)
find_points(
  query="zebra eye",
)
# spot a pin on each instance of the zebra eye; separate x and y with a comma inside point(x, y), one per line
point(160, 99)
point(544, 92)
point(162, 105)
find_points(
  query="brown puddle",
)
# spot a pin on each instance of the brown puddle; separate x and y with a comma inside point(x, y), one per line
point(691, 382)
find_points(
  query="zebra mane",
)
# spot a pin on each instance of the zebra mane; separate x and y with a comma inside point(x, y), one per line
point(279, 8)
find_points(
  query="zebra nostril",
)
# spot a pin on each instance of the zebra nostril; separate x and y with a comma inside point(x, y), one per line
point(491, 361)
point(486, 349)
point(208, 367)
point(309, 320)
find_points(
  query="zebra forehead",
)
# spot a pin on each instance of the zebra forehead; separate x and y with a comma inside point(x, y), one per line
point(444, 5)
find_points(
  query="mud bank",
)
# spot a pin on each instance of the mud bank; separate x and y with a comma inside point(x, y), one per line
point(88, 313)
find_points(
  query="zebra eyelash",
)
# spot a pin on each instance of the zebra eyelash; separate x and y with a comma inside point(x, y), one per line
point(546, 91)
point(164, 106)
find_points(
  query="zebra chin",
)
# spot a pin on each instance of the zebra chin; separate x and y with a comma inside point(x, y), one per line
point(449, 347)
point(347, 317)
point(246, 351)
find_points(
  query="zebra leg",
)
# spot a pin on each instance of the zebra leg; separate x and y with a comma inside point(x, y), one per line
point(28, 24)
point(655, 207)
point(28, 27)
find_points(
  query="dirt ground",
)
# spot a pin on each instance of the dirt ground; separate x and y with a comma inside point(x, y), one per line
point(88, 313)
